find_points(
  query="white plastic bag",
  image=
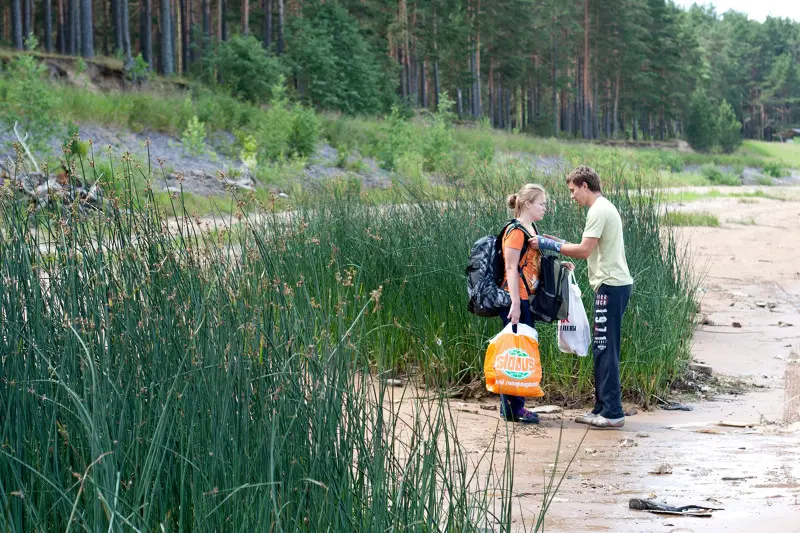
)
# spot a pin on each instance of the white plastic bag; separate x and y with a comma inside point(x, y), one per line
point(574, 335)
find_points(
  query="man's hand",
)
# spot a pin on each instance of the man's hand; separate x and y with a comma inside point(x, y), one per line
point(562, 241)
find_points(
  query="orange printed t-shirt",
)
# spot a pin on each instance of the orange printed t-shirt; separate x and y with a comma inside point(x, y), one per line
point(515, 238)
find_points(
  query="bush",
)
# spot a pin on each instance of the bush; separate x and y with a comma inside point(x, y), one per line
point(397, 139)
point(305, 131)
point(287, 131)
point(700, 122)
point(729, 136)
point(716, 177)
point(438, 140)
point(241, 65)
point(194, 137)
point(774, 169)
point(672, 161)
point(27, 99)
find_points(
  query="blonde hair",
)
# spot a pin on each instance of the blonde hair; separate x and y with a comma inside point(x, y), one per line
point(529, 193)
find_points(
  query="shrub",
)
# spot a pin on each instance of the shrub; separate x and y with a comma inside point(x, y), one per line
point(716, 177)
point(774, 169)
point(305, 131)
point(139, 69)
point(397, 139)
point(287, 131)
point(672, 161)
point(700, 122)
point(438, 140)
point(194, 137)
point(249, 152)
point(28, 100)
point(241, 65)
point(729, 128)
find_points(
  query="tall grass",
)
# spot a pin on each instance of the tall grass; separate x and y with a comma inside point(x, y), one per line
point(158, 376)
point(155, 377)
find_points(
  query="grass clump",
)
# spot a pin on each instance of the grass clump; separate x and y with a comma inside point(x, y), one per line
point(679, 218)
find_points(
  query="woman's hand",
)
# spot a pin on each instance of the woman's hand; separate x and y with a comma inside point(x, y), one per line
point(569, 266)
point(515, 312)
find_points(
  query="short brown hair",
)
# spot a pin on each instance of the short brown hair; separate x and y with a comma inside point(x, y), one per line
point(583, 174)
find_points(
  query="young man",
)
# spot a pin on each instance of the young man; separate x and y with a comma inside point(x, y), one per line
point(603, 246)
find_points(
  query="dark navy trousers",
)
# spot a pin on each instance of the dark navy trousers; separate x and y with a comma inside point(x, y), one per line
point(609, 307)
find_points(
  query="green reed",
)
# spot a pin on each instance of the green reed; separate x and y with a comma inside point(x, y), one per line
point(156, 377)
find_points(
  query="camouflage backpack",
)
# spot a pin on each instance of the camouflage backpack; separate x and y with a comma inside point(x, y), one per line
point(485, 273)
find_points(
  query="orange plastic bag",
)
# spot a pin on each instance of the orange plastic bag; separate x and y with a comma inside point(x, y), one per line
point(512, 365)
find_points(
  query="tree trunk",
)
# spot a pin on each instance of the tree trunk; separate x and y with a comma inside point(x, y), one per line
point(126, 30)
point(60, 28)
point(69, 25)
point(165, 23)
point(175, 35)
point(205, 8)
point(147, 32)
point(616, 102)
point(184, 27)
point(223, 22)
point(436, 86)
point(423, 93)
point(459, 102)
point(555, 90)
point(26, 19)
point(107, 28)
point(595, 110)
point(245, 17)
point(48, 25)
point(219, 20)
point(280, 28)
point(267, 31)
point(587, 81)
point(16, 25)
point(116, 10)
point(490, 88)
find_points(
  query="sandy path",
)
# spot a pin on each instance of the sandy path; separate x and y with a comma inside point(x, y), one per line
point(752, 266)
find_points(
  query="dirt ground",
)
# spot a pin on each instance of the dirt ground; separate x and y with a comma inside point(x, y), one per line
point(740, 452)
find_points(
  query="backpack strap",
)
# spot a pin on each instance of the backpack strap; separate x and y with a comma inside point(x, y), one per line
point(516, 224)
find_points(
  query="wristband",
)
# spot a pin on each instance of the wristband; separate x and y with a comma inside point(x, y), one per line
point(548, 244)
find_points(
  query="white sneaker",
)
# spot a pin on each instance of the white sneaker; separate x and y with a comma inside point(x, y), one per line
point(602, 422)
point(585, 418)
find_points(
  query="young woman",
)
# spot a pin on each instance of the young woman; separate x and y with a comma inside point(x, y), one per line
point(522, 275)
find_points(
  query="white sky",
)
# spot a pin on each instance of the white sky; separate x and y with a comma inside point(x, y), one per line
point(755, 9)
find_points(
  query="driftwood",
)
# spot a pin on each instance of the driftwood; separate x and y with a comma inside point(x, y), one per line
point(47, 190)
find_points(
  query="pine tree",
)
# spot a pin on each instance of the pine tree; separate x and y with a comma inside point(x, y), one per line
point(700, 122)
point(728, 128)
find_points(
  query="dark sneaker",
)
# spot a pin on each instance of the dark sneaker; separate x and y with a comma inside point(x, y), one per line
point(601, 422)
point(524, 416)
point(586, 418)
